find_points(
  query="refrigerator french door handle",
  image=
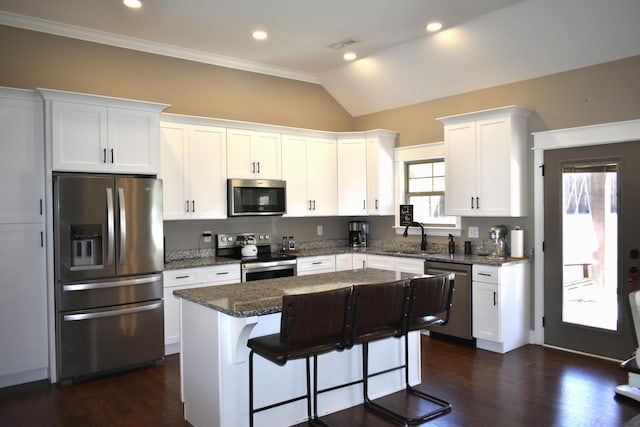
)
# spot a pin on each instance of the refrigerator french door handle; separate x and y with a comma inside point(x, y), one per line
point(111, 313)
point(123, 226)
point(116, 284)
point(110, 225)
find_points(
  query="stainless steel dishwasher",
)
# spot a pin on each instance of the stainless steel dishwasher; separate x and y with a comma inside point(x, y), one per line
point(460, 320)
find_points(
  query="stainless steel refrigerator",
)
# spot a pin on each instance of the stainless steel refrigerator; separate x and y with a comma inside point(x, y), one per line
point(108, 267)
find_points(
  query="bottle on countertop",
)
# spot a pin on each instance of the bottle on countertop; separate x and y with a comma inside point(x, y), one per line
point(292, 243)
point(285, 243)
point(452, 245)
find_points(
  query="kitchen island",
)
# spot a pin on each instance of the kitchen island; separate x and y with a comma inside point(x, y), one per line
point(216, 323)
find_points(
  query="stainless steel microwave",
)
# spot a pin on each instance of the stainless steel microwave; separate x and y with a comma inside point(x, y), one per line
point(246, 197)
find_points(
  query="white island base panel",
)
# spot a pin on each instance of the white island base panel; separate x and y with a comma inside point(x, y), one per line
point(215, 372)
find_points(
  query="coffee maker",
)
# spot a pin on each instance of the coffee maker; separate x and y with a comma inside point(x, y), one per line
point(498, 236)
point(358, 231)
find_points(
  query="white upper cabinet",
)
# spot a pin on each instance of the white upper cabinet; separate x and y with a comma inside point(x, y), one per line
point(380, 200)
point(352, 176)
point(485, 154)
point(22, 160)
point(309, 166)
point(193, 169)
point(253, 154)
point(365, 173)
point(100, 134)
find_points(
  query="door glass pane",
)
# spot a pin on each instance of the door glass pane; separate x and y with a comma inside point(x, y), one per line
point(590, 245)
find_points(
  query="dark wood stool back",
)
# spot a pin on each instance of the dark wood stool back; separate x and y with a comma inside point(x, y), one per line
point(430, 301)
point(310, 324)
point(379, 310)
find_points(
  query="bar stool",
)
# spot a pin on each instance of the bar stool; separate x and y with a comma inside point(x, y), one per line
point(311, 324)
point(425, 300)
point(430, 305)
point(379, 311)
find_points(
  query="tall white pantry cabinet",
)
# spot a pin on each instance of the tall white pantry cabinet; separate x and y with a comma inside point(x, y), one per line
point(23, 285)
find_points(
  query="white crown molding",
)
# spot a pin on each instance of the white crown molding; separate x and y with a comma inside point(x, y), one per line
point(81, 33)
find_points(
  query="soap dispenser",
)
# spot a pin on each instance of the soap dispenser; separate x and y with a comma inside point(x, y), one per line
point(452, 245)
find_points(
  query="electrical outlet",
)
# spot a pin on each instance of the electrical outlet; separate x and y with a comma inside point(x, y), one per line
point(473, 232)
point(319, 228)
point(206, 236)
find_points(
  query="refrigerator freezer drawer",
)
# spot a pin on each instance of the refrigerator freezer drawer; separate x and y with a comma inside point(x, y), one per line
point(93, 341)
point(102, 293)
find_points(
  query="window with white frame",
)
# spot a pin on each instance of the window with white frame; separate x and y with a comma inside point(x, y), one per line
point(424, 189)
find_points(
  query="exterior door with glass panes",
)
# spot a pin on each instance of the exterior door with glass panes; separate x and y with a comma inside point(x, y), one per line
point(591, 243)
point(425, 188)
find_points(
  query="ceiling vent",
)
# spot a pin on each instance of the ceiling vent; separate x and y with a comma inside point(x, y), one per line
point(344, 43)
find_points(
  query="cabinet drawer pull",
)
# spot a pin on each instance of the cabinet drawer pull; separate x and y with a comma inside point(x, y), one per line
point(316, 263)
point(222, 273)
point(182, 277)
point(484, 274)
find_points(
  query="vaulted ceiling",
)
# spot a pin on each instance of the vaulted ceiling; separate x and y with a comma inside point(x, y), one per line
point(482, 44)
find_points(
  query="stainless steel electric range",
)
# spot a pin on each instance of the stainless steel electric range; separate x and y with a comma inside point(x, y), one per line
point(266, 264)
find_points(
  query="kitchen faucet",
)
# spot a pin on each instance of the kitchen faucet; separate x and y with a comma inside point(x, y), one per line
point(423, 243)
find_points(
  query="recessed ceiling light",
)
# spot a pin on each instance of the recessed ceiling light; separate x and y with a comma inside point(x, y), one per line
point(349, 56)
point(133, 4)
point(434, 26)
point(259, 35)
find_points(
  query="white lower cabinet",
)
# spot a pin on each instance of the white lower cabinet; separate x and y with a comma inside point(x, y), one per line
point(500, 298)
point(316, 264)
point(344, 262)
point(184, 279)
point(23, 304)
point(393, 263)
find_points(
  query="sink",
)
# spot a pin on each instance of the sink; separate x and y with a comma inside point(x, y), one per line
point(410, 252)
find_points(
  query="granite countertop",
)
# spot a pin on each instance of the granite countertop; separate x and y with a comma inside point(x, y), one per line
point(457, 258)
point(262, 297)
point(207, 261)
point(431, 255)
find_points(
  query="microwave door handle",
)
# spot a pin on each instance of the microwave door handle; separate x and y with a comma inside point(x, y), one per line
point(110, 224)
point(123, 226)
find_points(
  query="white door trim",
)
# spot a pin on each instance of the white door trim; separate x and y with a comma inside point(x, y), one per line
point(608, 133)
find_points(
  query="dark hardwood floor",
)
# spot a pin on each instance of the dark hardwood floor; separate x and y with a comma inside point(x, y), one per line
point(530, 386)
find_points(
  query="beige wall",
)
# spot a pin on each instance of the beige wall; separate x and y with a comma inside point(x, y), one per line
point(599, 94)
point(31, 59)
point(602, 93)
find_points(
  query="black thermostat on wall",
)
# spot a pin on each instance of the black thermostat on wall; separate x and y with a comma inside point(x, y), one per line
point(406, 214)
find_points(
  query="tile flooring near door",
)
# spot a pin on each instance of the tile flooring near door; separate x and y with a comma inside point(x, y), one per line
point(530, 386)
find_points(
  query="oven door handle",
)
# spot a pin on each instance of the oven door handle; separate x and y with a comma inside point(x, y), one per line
point(268, 264)
point(111, 313)
point(103, 285)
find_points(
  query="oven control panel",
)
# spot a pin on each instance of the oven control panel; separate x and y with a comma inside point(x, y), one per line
point(235, 240)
